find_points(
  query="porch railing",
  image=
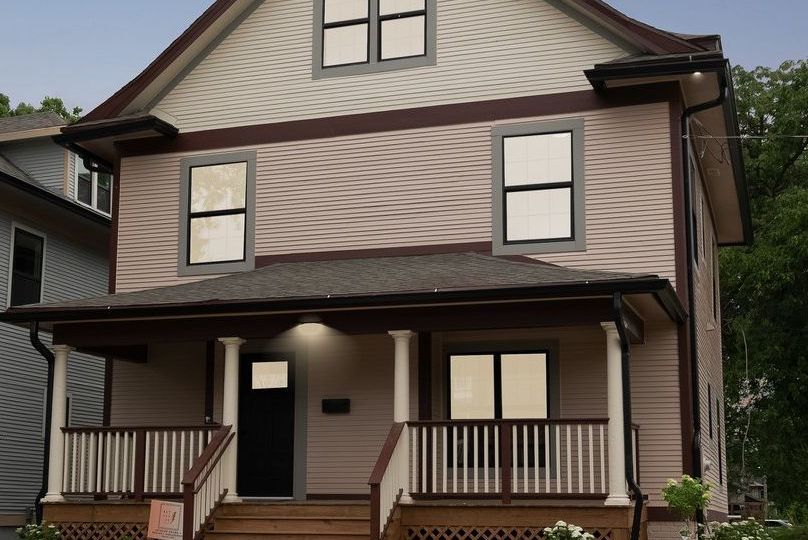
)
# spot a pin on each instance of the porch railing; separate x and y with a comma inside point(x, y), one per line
point(134, 462)
point(509, 458)
point(204, 486)
point(388, 480)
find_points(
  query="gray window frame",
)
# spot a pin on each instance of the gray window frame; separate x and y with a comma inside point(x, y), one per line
point(498, 135)
point(374, 63)
point(186, 164)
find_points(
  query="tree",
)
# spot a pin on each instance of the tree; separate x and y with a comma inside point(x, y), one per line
point(51, 104)
point(765, 289)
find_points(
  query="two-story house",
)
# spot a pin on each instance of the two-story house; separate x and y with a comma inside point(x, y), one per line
point(407, 269)
point(53, 247)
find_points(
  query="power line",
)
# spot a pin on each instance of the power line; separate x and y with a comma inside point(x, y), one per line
point(757, 137)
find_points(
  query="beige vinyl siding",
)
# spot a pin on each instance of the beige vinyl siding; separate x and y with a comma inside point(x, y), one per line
point(262, 71)
point(655, 398)
point(168, 389)
point(415, 187)
point(708, 335)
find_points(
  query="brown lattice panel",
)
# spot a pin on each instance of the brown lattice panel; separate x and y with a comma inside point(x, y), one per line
point(103, 531)
point(433, 532)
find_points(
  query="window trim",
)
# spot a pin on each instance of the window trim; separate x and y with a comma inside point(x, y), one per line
point(374, 63)
point(14, 226)
point(502, 246)
point(184, 268)
point(93, 188)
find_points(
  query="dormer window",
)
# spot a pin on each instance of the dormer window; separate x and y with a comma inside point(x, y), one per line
point(353, 37)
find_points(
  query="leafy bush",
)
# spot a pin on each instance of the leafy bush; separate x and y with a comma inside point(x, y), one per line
point(740, 530)
point(789, 533)
point(563, 531)
point(43, 531)
point(686, 497)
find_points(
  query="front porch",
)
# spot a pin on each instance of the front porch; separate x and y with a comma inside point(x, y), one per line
point(510, 388)
point(349, 402)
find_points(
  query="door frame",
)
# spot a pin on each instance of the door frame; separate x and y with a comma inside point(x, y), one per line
point(299, 454)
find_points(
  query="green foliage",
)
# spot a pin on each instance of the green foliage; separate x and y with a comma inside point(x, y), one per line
point(51, 104)
point(687, 496)
point(564, 531)
point(765, 287)
point(789, 533)
point(43, 531)
point(741, 530)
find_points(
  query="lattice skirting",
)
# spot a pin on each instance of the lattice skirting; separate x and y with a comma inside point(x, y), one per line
point(103, 531)
point(433, 532)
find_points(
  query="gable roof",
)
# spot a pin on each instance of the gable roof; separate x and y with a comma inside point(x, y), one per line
point(647, 39)
point(364, 281)
point(27, 122)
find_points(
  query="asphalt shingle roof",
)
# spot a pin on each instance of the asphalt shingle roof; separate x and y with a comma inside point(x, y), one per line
point(25, 122)
point(357, 278)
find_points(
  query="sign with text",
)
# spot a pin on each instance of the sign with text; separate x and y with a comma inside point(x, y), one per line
point(165, 520)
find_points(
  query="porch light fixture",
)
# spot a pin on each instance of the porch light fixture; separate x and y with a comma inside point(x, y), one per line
point(310, 325)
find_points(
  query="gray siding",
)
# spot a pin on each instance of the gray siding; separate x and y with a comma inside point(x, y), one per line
point(71, 271)
point(41, 158)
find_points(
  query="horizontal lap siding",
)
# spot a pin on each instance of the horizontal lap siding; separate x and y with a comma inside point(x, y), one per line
point(415, 187)
point(655, 399)
point(169, 389)
point(42, 159)
point(486, 50)
point(71, 271)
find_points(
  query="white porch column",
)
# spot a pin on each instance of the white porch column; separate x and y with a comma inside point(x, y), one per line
point(230, 413)
point(618, 495)
point(401, 396)
point(58, 416)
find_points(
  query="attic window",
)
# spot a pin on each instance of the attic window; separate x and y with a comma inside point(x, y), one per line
point(353, 37)
point(93, 189)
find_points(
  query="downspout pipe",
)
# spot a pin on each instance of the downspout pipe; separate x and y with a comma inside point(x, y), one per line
point(690, 233)
point(628, 435)
point(47, 354)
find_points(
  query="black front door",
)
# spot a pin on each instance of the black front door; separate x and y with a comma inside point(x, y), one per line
point(266, 425)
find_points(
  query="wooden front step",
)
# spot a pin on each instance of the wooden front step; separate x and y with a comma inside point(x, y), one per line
point(269, 521)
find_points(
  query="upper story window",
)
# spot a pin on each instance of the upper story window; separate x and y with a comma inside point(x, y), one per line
point(217, 214)
point(93, 189)
point(353, 37)
point(27, 267)
point(538, 196)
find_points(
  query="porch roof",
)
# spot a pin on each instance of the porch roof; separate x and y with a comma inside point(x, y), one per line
point(362, 282)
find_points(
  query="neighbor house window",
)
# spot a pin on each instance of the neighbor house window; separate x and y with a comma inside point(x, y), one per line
point(538, 187)
point(93, 189)
point(218, 201)
point(720, 445)
point(27, 265)
point(710, 408)
point(362, 36)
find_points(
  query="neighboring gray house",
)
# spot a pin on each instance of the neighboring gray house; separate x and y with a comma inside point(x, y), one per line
point(54, 229)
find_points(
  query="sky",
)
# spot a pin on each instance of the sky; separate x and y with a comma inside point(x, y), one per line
point(85, 50)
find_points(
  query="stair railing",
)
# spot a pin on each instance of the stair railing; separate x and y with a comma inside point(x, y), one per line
point(204, 486)
point(388, 481)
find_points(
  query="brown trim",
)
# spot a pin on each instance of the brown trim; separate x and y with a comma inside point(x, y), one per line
point(123, 97)
point(386, 454)
point(420, 117)
point(425, 375)
point(656, 40)
point(113, 231)
point(661, 513)
point(210, 368)
point(680, 261)
point(404, 251)
point(108, 371)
